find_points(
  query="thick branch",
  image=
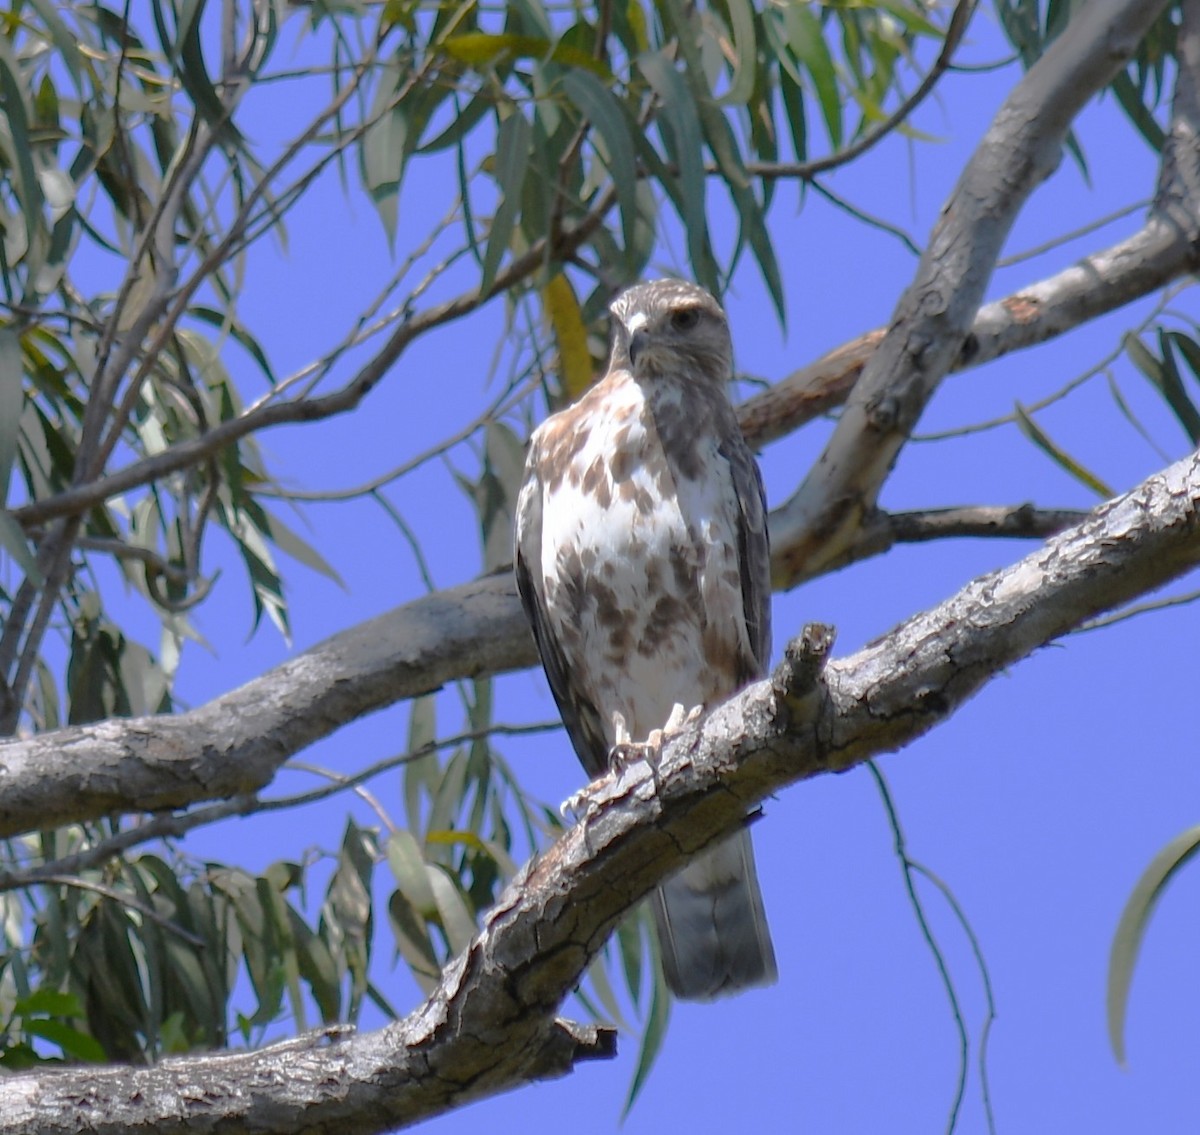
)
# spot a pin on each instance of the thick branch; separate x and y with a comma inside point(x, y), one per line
point(1160, 252)
point(490, 1025)
point(1019, 151)
point(234, 744)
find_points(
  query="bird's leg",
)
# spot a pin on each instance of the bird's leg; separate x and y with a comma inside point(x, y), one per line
point(627, 752)
point(578, 804)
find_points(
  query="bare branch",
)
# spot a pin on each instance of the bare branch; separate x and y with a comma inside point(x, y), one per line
point(881, 531)
point(233, 745)
point(490, 1025)
point(1138, 266)
point(1022, 520)
point(934, 316)
point(172, 825)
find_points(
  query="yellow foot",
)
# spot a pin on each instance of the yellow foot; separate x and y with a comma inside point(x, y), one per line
point(627, 752)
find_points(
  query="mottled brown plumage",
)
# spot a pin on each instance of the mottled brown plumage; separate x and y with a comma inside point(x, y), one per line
point(643, 564)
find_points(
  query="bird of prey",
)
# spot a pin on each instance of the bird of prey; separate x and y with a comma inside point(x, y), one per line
point(643, 565)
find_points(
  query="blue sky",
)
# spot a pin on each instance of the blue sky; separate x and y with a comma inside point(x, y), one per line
point(1039, 804)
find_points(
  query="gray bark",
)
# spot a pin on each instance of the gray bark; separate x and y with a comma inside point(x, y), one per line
point(491, 1023)
point(933, 318)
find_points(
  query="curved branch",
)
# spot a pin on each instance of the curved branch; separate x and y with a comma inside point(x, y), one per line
point(233, 745)
point(1153, 257)
point(934, 316)
point(490, 1024)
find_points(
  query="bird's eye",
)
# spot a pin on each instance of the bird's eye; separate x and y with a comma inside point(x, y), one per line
point(686, 319)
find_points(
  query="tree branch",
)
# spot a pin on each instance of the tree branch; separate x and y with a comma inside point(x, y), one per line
point(934, 316)
point(881, 531)
point(490, 1024)
point(233, 745)
point(1160, 252)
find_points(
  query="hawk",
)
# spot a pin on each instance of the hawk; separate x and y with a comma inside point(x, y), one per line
point(643, 565)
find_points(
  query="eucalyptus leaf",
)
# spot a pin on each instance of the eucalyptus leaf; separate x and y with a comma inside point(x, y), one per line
point(654, 1031)
point(455, 916)
point(1059, 456)
point(680, 127)
point(413, 941)
point(13, 541)
point(745, 50)
point(512, 160)
point(1131, 929)
point(575, 365)
point(409, 869)
point(599, 107)
point(807, 43)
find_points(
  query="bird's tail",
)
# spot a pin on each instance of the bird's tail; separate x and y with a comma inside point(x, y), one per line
point(711, 924)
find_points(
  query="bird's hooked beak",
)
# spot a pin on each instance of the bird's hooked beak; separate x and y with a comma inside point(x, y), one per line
point(639, 337)
point(638, 342)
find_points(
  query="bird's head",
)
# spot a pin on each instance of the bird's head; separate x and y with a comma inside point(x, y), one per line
point(671, 328)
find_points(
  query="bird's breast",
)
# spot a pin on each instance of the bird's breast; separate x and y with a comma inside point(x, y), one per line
point(629, 547)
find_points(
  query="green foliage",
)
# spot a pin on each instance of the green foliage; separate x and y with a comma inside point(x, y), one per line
point(1135, 918)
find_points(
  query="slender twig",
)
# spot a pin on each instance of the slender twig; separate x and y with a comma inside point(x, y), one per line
point(165, 825)
point(218, 255)
point(125, 899)
point(908, 869)
point(82, 497)
point(339, 778)
point(1138, 609)
point(396, 760)
point(1101, 366)
point(145, 556)
point(493, 413)
point(367, 326)
point(806, 171)
point(867, 218)
point(1074, 234)
point(985, 977)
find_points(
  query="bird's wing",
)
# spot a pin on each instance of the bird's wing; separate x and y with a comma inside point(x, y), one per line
point(754, 549)
point(579, 714)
